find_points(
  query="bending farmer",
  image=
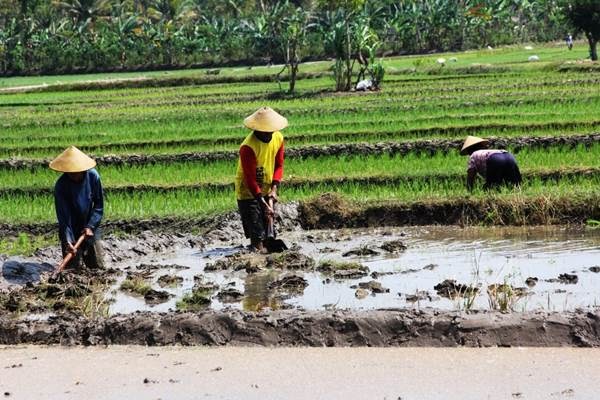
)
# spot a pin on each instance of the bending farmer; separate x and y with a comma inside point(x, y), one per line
point(497, 167)
point(259, 172)
point(79, 205)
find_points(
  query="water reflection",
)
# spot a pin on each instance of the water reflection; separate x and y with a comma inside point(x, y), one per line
point(258, 296)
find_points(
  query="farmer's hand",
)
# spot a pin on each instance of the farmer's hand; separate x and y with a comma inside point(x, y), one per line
point(273, 194)
point(268, 209)
point(88, 233)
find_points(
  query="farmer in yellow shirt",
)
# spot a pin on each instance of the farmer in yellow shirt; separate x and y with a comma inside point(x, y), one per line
point(259, 173)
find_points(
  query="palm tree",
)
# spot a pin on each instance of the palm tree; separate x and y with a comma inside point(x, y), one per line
point(83, 11)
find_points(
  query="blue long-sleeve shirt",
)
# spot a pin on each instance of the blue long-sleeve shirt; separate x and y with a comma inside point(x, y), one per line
point(78, 205)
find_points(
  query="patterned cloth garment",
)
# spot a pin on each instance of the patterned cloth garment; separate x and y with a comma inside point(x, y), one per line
point(478, 160)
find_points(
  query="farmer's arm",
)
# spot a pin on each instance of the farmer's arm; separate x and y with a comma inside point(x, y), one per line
point(248, 161)
point(278, 173)
point(97, 204)
point(63, 214)
point(471, 173)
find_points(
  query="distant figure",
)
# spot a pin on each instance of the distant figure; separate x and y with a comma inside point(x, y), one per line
point(569, 41)
point(79, 203)
point(364, 85)
point(497, 167)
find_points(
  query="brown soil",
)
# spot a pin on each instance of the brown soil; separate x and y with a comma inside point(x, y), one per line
point(294, 328)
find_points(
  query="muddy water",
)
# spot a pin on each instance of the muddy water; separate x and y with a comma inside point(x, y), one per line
point(473, 256)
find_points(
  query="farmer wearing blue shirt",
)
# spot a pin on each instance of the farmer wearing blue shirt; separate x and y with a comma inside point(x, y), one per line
point(79, 205)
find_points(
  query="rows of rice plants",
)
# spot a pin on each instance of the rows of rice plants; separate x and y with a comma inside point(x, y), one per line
point(184, 203)
point(531, 161)
point(523, 101)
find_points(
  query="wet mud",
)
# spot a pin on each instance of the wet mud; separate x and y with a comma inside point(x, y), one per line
point(367, 286)
point(293, 328)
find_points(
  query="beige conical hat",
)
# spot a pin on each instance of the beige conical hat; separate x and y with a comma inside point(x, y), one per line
point(471, 141)
point(72, 160)
point(265, 119)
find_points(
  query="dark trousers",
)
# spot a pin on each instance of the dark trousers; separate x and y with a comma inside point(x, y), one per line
point(90, 252)
point(253, 219)
point(502, 169)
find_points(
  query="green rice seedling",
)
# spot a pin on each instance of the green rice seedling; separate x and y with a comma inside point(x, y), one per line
point(195, 300)
point(25, 244)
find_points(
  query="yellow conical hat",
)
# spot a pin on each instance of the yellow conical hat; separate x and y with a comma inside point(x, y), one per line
point(72, 160)
point(472, 141)
point(265, 119)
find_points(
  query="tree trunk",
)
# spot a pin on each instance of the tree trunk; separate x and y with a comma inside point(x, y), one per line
point(293, 74)
point(593, 48)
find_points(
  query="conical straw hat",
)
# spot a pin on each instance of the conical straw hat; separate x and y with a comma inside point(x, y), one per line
point(265, 119)
point(472, 141)
point(72, 160)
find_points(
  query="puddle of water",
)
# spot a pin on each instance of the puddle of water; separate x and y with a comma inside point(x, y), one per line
point(480, 256)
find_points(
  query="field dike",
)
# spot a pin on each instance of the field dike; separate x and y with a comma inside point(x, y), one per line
point(296, 327)
point(343, 149)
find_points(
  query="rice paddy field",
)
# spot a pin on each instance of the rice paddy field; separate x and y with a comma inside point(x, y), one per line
point(167, 142)
point(383, 234)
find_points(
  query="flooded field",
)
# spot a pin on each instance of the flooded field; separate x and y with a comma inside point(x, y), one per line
point(446, 268)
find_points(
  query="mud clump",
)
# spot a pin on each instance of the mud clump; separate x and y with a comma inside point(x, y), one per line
point(343, 270)
point(169, 281)
point(230, 295)
point(374, 287)
point(292, 260)
point(531, 281)
point(449, 288)
point(328, 210)
point(376, 275)
point(595, 269)
point(361, 252)
point(419, 295)
point(291, 283)
point(153, 296)
point(327, 250)
point(567, 279)
point(154, 267)
point(251, 263)
point(394, 246)
point(430, 267)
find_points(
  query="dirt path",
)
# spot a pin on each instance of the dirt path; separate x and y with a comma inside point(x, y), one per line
point(306, 373)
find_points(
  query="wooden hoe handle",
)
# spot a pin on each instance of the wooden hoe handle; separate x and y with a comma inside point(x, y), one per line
point(69, 256)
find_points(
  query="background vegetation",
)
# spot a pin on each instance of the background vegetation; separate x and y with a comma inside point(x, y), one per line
point(49, 37)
